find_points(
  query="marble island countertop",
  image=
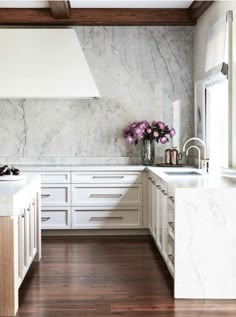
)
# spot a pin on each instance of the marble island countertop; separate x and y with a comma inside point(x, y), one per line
point(12, 193)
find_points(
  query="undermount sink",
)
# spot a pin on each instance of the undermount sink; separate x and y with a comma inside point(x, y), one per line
point(183, 173)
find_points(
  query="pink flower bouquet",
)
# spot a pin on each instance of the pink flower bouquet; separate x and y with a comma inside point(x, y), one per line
point(142, 130)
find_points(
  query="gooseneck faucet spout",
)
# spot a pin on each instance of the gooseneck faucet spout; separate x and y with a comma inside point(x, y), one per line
point(196, 139)
point(199, 153)
point(205, 160)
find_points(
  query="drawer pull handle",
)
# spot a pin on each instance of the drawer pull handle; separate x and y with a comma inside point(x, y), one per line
point(172, 198)
point(105, 218)
point(44, 219)
point(164, 192)
point(109, 176)
point(154, 183)
point(105, 195)
point(158, 186)
point(45, 196)
point(172, 260)
point(171, 224)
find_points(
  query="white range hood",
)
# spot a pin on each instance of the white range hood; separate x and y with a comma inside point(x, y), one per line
point(44, 63)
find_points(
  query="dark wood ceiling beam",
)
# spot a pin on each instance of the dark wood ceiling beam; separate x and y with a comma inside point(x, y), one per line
point(97, 17)
point(197, 8)
point(60, 9)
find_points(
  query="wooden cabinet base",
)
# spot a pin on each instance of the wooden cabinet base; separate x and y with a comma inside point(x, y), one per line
point(8, 274)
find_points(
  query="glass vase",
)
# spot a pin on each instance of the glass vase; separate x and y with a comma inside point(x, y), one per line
point(148, 152)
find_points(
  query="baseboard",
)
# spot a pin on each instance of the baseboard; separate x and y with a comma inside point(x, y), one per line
point(97, 232)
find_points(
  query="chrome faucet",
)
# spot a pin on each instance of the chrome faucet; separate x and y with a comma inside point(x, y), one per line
point(205, 164)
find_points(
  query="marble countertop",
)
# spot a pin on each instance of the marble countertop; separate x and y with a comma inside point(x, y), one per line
point(211, 180)
point(13, 187)
point(12, 193)
point(76, 167)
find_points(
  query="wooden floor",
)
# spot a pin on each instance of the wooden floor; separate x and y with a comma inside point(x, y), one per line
point(107, 276)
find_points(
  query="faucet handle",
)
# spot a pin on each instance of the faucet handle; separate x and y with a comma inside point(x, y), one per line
point(205, 165)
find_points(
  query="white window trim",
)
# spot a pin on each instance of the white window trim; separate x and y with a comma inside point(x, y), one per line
point(200, 95)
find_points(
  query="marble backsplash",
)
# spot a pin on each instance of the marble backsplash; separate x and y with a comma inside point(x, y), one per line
point(141, 73)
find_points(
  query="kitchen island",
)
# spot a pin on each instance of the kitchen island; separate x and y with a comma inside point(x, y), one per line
point(20, 237)
point(192, 221)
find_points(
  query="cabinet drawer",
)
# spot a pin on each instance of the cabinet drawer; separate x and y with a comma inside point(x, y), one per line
point(88, 218)
point(106, 178)
point(55, 218)
point(55, 177)
point(55, 195)
point(106, 195)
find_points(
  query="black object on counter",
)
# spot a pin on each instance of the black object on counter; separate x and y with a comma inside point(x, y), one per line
point(15, 171)
point(6, 170)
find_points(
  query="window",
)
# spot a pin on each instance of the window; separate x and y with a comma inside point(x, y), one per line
point(216, 123)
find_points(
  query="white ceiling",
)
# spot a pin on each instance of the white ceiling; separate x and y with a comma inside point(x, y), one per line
point(99, 4)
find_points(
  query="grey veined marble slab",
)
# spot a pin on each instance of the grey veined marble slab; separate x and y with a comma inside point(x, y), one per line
point(140, 72)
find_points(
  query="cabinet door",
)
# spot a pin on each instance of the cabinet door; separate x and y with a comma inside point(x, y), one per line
point(33, 229)
point(21, 245)
point(158, 197)
point(154, 206)
point(27, 236)
point(164, 222)
point(150, 204)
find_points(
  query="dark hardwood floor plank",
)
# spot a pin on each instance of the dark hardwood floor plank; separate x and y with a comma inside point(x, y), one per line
point(107, 277)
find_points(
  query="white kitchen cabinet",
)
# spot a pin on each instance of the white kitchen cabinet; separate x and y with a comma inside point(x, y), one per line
point(55, 178)
point(158, 213)
point(85, 199)
point(171, 255)
point(154, 210)
point(27, 221)
point(104, 195)
point(152, 206)
point(107, 200)
point(164, 220)
point(95, 218)
point(106, 178)
point(55, 195)
point(56, 217)
point(56, 200)
point(21, 245)
point(150, 201)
